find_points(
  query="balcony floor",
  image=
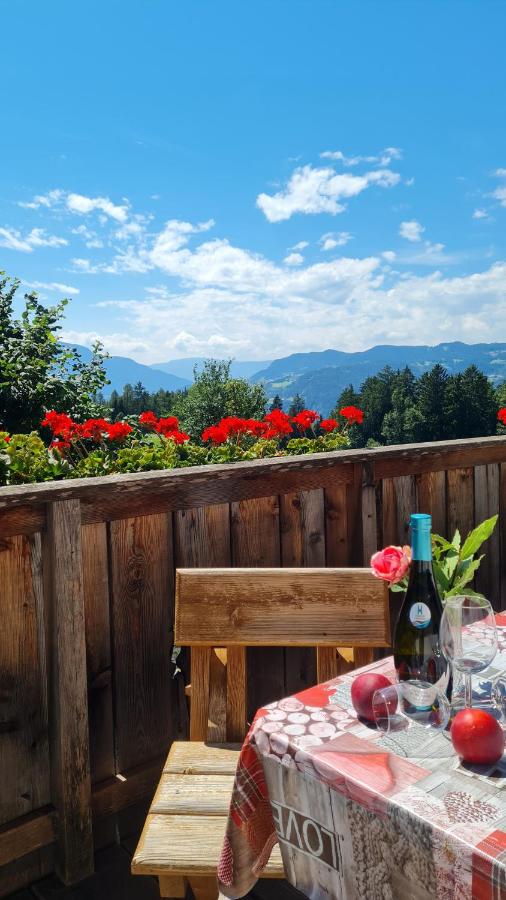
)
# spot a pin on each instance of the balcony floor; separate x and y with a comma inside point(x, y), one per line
point(112, 881)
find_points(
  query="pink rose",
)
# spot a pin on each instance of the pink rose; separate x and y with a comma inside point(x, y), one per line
point(391, 564)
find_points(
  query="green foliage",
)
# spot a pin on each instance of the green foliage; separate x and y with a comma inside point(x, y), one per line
point(297, 405)
point(214, 395)
point(36, 371)
point(455, 563)
point(277, 403)
point(29, 461)
point(135, 399)
point(400, 409)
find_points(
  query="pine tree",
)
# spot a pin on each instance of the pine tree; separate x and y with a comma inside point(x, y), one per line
point(432, 389)
point(297, 405)
point(277, 403)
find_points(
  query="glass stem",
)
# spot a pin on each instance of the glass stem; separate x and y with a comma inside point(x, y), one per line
point(469, 690)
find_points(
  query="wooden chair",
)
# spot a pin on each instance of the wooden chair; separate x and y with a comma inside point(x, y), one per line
point(235, 609)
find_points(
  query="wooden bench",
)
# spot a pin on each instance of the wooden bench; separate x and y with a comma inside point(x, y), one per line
point(235, 609)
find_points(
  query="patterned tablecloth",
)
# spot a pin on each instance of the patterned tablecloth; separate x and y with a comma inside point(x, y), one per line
point(360, 815)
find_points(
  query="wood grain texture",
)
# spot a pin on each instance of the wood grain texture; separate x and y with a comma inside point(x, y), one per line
point(431, 492)
point(195, 758)
point(98, 650)
point(200, 679)
point(460, 501)
point(486, 504)
point(302, 544)
point(337, 551)
point(193, 795)
point(140, 559)
point(69, 733)
point(236, 694)
point(114, 496)
point(24, 761)
point(26, 834)
point(279, 607)
point(187, 845)
point(125, 789)
point(172, 887)
point(202, 538)
point(256, 542)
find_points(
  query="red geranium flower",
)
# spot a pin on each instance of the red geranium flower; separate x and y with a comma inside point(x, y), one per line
point(215, 433)
point(352, 414)
point(501, 415)
point(167, 426)
point(148, 419)
point(329, 424)
point(179, 437)
point(305, 419)
point(278, 424)
point(93, 428)
point(118, 431)
point(58, 422)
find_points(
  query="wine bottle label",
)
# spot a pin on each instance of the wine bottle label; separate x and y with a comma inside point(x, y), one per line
point(419, 615)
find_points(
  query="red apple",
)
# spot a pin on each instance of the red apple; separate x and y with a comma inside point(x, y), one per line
point(362, 691)
point(477, 737)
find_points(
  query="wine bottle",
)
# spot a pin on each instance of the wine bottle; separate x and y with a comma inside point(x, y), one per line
point(417, 651)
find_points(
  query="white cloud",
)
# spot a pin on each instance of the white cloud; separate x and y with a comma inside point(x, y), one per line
point(48, 200)
point(383, 159)
point(320, 190)
point(51, 286)
point(81, 205)
point(300, 246)
point(90, 237)
point(480, 214)
point(389, 255)
point(411, 231)
point(351, 309)
point(293, 259)
point(334, 239)
point(500, 194)
point(37, 237)
point(500, 173)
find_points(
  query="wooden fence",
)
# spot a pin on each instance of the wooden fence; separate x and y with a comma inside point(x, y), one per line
point(89, 699)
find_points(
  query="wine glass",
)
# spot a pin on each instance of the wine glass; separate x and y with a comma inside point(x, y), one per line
point(401, 706)
point(468, 637)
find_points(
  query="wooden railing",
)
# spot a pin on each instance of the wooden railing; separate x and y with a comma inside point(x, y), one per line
point(88, 698)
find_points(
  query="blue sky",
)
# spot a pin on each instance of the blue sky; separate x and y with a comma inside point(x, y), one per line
point(255, 179)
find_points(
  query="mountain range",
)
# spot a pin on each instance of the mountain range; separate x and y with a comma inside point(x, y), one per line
point(319, 377)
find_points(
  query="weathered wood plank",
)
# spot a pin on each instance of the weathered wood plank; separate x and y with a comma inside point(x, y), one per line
point(279, 607)
point(26, 834)
point(236, 694)
point(193, 758)
point(125, 789)
point(431, 491)
point(22, 520)
point(193, 795)
point(199, 710)
point(24, 762)
point(486, 504)
point(69, 735)
point(98, 650)
point(302, 520)
point(336, 526)
point(460, 501)
point(168, 843)
point(202, 538)
point(114, 496)
point(256, 542)
point(140, 554)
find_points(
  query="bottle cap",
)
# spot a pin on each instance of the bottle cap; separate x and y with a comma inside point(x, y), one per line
point(421, 522)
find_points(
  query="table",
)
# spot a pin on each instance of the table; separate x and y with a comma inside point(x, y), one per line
point(360, 815)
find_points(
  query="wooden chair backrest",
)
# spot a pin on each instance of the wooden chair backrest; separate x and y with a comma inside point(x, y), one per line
point(239, 608)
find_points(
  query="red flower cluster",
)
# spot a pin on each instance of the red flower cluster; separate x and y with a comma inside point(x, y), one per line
point(65, 430)
point(352, 414)
point(275, 425)
point(305, 419)
point(168, 427)
point(501, 415)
